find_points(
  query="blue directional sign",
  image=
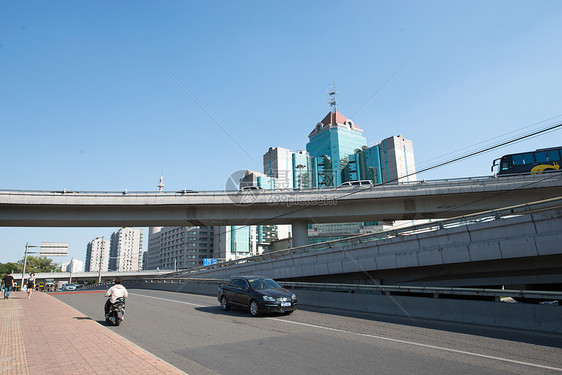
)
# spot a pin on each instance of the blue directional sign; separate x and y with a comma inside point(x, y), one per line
point(209, 261)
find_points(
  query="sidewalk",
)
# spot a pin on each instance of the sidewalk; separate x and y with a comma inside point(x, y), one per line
point(66, 343)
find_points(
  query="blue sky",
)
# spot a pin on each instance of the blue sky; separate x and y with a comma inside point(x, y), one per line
point(90, 95)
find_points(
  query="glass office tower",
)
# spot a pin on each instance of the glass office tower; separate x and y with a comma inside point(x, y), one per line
point(335, 137)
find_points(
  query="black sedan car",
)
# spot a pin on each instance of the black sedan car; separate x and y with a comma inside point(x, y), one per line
point(257, 293)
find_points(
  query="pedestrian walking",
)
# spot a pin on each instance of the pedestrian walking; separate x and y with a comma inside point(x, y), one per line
point(8, 283)
point(30, 284)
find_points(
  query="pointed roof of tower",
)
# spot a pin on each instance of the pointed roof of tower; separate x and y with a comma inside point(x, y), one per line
point(332, 120)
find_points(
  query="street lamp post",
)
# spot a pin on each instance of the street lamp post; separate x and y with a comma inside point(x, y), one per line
point(27, 246)
point(101, 256)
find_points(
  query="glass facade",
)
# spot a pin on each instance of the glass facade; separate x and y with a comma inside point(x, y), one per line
point(363, 165)
point(336, 141)
point(301, 169)
point(336, 152)
point(241, 240)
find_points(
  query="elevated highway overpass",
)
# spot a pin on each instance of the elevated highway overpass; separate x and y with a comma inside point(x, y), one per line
point(405, 201)
point(514, 246)
point(86, 276)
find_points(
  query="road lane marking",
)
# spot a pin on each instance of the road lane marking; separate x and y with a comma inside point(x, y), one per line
point(76, 292)
point(169, 300)
point(422, 345)
point(384, 338)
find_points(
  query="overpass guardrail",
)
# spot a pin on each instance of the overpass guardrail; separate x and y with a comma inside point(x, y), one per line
point(460, 181)
point(187, 192)
point(498, 295)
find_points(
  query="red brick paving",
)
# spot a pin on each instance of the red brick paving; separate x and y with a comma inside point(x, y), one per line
point(42, 336)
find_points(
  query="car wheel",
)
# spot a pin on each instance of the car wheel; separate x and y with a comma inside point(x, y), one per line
point(254, 308)
point(224, 304)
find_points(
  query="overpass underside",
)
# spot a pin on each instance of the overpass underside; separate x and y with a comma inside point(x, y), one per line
point(539, 273)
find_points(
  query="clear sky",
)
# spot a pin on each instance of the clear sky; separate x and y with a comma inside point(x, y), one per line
point(97, 95)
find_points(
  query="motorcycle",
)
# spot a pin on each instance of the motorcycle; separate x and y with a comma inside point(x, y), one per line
point(116, 312)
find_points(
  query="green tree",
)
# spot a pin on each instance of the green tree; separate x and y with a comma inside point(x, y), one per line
point(9, 267)
point(37, 264)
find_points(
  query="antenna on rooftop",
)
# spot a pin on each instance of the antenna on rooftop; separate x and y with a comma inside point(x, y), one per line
point(161, 184)
point(333, 102)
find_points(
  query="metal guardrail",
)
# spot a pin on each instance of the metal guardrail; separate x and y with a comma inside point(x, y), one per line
point(393, 233)
point(343, 190)
point(435, 292)
point(188, 192)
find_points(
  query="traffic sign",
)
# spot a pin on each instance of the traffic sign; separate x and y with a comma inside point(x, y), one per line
point(54, 249)
point(209, 261)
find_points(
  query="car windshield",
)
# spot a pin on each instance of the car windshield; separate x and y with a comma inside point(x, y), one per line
point(264, 284)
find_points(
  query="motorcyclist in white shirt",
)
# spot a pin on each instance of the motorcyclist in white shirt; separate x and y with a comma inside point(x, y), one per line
point(116, 291)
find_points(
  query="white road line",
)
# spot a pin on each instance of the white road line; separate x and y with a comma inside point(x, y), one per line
point(384, 338)
point(422, 345)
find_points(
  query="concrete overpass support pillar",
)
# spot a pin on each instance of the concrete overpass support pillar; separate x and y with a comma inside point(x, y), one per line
point(300, 233)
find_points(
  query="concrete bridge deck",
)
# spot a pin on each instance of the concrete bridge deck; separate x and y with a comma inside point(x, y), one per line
point(419, 200)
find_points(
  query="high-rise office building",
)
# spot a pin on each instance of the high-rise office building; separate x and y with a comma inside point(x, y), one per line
point(75, 266)
point(179, 247)
point(235, 241)
point(252, 178)
point(125, 253)
point(289, 170)
point(63, 266)
point(397, 156)
point(337, 152)
point(334, 138)
point(97, 251)
point(278, 163)
point(151, 258)
point(241, 241)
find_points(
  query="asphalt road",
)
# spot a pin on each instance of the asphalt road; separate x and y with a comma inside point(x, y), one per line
point(192, 333)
